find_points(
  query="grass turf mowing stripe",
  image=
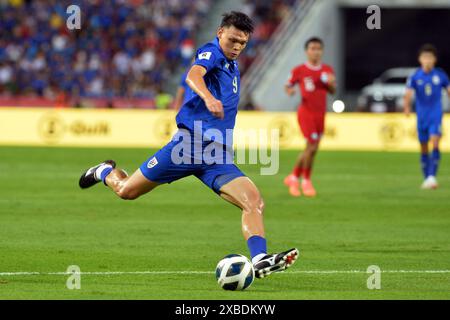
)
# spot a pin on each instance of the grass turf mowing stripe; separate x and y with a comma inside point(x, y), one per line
point(369, 211)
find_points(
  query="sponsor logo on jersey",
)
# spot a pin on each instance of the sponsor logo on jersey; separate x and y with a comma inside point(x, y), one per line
point(436, 79)
point(205, 56)
point(419, 82)
point(153, 162)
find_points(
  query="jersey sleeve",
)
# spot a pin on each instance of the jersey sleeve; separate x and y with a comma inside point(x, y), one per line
point(293, 78)
point(324, 78)
point(183, 80)
point(208, 57)
point(410, 82)
point(330, 69)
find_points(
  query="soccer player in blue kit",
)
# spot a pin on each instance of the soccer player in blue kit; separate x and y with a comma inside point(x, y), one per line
point(427, 83)
point(211, 110)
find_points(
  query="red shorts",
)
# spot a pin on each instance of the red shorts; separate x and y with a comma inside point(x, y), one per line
point(311, 124)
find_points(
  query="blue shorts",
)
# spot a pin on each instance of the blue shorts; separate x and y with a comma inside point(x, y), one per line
point(162, 169)
point(429, 127)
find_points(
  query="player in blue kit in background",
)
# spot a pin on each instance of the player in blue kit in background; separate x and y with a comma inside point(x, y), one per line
point(184, 92)
point(204, 122)
point(427, 83)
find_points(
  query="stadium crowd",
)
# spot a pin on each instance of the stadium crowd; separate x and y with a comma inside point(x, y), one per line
point(125, 48)
point(267, 15)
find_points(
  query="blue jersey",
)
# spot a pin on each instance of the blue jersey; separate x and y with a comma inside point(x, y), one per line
point(211, 162)
point(428, 88)
point(222, 79)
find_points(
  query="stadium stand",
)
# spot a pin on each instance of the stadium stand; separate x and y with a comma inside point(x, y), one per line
point(119, 58)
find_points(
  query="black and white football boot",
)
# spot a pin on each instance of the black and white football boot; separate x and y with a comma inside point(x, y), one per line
point(275, 262)
point(89, 177)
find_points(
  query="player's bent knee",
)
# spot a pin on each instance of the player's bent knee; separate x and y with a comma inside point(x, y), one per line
point(435, 143)
point(261, 205)
point(254, 203)
point(311, 148)
point(314, 147)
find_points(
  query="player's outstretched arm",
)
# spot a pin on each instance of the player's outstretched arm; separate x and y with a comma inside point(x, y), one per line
point(196, 82)
point(407, 101)
point(289, 89)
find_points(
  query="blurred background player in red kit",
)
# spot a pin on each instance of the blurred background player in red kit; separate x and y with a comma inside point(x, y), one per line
point(315, 80)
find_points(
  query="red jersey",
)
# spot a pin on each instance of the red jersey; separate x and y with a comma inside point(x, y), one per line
point(313, 85)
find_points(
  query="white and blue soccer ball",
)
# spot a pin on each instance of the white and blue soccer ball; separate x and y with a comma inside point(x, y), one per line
point(235, 272)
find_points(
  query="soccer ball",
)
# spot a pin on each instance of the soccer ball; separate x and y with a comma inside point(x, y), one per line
point(235, 272)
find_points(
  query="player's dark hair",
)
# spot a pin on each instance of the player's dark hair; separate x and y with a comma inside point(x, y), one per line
point(429, 48)
point(313, 40)
point(239, 20)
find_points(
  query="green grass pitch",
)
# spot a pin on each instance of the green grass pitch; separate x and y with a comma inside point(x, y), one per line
point(369, 211)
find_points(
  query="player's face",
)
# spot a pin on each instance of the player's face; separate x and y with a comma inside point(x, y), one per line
point(232, 41)
point(314, 52)
point(427, 60)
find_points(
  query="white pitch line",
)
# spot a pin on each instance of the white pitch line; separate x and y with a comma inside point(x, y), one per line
point(101, 273)
point(107, 273)
point(362, 271)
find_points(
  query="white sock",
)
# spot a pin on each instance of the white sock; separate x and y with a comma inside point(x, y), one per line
point(98, 172)
point(258, 257)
